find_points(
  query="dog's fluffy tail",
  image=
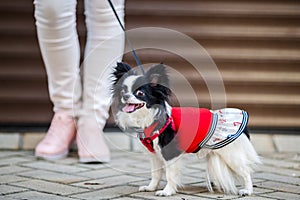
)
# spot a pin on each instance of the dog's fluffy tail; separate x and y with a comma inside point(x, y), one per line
point(219, 174)
point(229, 163)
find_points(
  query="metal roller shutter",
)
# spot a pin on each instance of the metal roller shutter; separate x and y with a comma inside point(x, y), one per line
point(255, 44)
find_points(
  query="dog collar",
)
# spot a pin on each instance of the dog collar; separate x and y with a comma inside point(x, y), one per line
point(151, 133)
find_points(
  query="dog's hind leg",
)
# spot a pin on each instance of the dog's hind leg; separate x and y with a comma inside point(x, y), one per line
point(241, 158)
point(248, 187)
point(220, 173)
point(156, 174)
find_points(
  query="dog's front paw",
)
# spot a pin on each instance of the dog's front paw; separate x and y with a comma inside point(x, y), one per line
point(165, 193)
point(146, 188)
point(244, 192)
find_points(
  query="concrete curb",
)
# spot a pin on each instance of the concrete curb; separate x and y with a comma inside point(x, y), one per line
point(263, 143)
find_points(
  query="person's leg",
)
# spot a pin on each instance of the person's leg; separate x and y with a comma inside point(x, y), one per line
point(58, 40)
point(105, 46)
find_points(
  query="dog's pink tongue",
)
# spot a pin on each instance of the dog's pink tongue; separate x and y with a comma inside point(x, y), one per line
point(128, 108)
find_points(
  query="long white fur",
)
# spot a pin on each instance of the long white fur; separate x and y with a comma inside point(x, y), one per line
point(129, 81)
point(156, 174)
point(173, 173)
point(141, 119)
point(224, 166)
point(234, 161)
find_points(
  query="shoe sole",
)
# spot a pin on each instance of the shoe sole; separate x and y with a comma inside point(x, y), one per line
point(52, 157)
point(93, 160)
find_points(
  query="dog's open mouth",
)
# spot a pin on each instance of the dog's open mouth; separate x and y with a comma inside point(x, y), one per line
point(131, 107)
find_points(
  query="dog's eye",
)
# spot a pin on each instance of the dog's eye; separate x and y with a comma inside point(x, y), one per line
point(139, 93)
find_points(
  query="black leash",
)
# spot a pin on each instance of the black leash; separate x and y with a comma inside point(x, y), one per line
point(136, 58)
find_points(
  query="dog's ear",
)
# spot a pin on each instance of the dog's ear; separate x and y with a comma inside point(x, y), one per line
point(157, 75)
point(158, 79)
point(120, 70)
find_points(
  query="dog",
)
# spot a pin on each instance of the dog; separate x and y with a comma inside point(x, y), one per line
point(141, 104)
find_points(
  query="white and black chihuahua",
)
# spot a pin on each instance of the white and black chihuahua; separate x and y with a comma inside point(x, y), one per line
point(140, 103)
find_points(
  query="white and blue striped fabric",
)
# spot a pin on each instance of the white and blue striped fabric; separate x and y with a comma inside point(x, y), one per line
point(227, 125)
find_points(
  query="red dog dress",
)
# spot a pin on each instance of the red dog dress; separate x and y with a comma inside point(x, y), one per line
point(198, 128)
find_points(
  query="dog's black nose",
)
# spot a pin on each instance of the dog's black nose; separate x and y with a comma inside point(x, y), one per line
point(126, 96)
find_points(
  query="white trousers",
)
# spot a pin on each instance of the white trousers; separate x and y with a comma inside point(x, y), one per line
point(88, 94)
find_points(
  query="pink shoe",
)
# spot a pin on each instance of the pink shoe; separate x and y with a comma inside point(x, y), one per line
point(91, 142)
point(58, 139)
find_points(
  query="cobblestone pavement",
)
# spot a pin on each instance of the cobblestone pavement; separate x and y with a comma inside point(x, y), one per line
point(22, 176)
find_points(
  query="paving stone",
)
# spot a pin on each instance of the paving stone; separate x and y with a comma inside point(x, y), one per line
point(187, 180)
point(12, 169)
point(129, 167)
point(108, 182)
point(4, 153)
point(254, 197)
point(101, 173)
point(278, 178)
point(130, 157)
point(53, 176)
point(136, 168)
point(49, 187)
point(281, 163)
point(14, 160)
point(216, 195)
point(282, 171)
point(45, 165)
point(280, 187)
point(258, 191)
point(108, 193)
point(193, 189)
point(5, 197)
point(282, 155)
point(188, 171)
point(137, 184)
point(256, 180)
point(128, 198)
point(70, 160)
point(34, 195)
point(138, 146)
point(8, 189)
point(192, 162)
point(151, 196)
point(93, 165)
point(282, 195)
point(9, 140)
point(11, 178)
point(194, 169)
point(122, 154)
point(67, 179)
